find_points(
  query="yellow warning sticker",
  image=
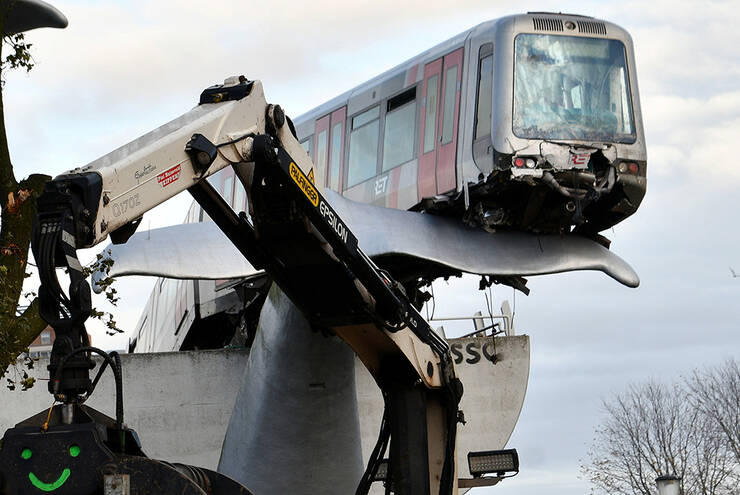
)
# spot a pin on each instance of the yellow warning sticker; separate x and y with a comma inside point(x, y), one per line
point(297, 175)
point(310, 176)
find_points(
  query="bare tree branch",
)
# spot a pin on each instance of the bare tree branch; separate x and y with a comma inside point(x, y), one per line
point(653, 430)
point(716, 393)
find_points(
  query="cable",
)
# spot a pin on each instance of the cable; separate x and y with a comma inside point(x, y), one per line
point(434, 301)
point(228, 160)
point(45, 426)
point(490, 307)
point(227, 143)
point(448, 470)
point(376, 457)
point(236, 140)
point(426, 310)
point(115, 363)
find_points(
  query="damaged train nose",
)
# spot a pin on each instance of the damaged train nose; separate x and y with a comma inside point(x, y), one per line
point(576, 172)
point(559, 187)
point(591, 171)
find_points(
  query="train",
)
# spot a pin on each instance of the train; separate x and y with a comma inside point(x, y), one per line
point(530, 122)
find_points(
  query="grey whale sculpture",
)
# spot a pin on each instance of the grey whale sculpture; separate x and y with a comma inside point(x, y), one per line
point(24, 15)
point(202, 251)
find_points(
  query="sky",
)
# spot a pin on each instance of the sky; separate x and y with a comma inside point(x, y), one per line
point(122, 68)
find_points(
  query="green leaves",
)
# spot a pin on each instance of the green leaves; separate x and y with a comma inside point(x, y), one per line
point(104, 265)
point(27, 383)
point(19, 376)
point(19, 56)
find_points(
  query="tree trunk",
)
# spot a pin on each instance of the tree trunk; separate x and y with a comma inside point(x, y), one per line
point(18, 205)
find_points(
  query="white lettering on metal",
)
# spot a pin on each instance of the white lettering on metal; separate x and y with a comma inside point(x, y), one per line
point(380, 184)
point(332, 219)
point(121, 207)
point(169, 176)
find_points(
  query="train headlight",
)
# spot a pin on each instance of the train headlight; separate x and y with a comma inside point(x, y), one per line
point(628, 167)
point(520, 162)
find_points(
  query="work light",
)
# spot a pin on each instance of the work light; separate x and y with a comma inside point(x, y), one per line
point(498, 462)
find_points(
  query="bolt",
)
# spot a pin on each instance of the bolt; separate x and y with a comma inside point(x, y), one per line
point(278, 116)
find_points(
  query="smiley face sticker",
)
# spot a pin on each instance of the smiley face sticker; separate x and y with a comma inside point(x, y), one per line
point(27, 454)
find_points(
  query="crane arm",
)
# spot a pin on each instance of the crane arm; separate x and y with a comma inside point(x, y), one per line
point(292, 232)
point(118, 188)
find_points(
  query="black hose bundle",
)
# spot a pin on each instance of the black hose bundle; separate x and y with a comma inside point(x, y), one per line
point(112, 359)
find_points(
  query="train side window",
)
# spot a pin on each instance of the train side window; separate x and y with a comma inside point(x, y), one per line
point(449, 106)
point(321, 154)
point(485, 92)
point(482, 149)
point(215, 180)
point(240, 196)
point(576, 99)
point(132, 346)
point(229, 190)
point(191, 217)
point(363, 146)
point(307, 146)
point(430, 119)
point(400, 129)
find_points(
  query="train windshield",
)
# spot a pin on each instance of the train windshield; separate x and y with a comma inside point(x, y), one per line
point(572, 88)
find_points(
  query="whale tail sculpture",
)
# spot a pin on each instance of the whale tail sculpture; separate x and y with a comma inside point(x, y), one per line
point(24, 15)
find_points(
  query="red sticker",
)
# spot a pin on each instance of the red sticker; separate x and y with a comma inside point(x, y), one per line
point(580, 159)
point(169, 176)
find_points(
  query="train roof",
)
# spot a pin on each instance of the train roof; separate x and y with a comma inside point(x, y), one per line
point(445, 47)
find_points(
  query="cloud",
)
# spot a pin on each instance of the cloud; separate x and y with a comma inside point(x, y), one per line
point(696, 136)
point(685, 48)
point(123, 68)
point(182, 46)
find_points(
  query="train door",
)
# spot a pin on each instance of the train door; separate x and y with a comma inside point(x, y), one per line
point(449, 105)
point(428, 130)
point(439, 123)
point(334, 174)
point(321, 154)
point(329, 148)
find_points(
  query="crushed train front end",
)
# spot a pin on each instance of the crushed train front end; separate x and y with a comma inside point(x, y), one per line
point(567, 148)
